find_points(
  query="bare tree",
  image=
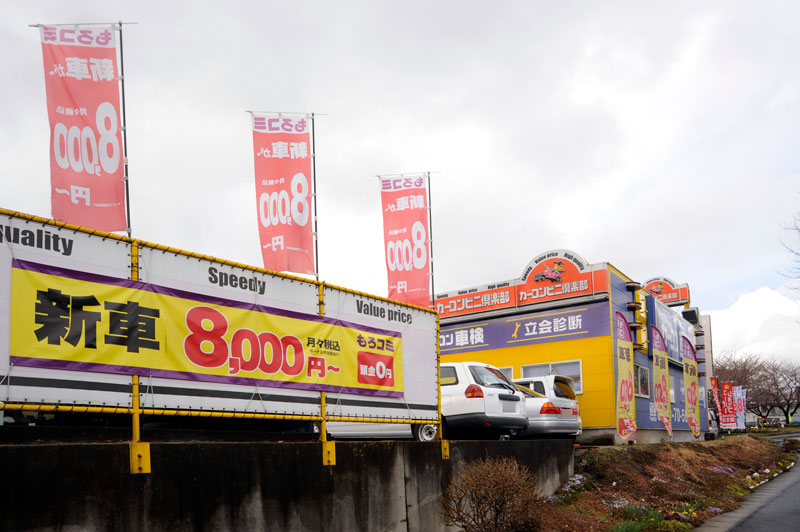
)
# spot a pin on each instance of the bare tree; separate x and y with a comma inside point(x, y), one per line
point(754, 373)
point(787, 384)
point(771, 384)
point(794, 227)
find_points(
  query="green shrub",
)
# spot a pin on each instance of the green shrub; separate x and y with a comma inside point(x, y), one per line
point(629, 526)
point(493, 495)
point(642, 514)
point(736, 489)
point(673, 526)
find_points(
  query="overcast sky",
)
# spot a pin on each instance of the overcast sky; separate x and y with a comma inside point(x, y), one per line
point(662, 139)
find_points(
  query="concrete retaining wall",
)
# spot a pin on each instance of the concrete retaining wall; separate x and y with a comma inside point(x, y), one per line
point(375, 486)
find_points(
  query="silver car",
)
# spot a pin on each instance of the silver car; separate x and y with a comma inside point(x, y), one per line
point(555, 414)
point(479, 401)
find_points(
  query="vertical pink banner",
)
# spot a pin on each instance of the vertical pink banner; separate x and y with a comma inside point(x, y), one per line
point(626, 406)
point(282, 151)
point(728, 408)
point(715, 390)
point(86, 159)
point(406, 233)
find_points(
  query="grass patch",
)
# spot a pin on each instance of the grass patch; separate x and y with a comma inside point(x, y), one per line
point(661, 488)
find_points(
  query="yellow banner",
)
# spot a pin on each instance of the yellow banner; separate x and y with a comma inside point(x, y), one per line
point(68, 320)
point(691, 387)
point(661, 389)
point(661, 379)
point(626, 405)
point(692, 396)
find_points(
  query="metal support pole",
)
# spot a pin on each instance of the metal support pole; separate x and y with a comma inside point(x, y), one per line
point(314, 196)
point(136, 410)
point(328, 447)
point(124, 135)
point(430, 240)
point(139, 450)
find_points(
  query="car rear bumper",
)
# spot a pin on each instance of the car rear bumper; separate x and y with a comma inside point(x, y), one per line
point(552, 426)
point(481, 421)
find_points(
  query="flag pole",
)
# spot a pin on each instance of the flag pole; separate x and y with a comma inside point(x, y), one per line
point(430, 239)
point(124, 136)
point(314, 195)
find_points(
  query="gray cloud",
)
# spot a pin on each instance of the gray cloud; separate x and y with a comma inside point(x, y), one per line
point(659, 139)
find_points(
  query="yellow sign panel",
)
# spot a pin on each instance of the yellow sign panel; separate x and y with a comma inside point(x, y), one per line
point(691, 386)
point(626, 405)
point(71, 320)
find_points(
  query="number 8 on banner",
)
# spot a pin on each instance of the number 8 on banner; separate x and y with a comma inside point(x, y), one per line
point(85, 155)
point(401, 256)
point(276, 208)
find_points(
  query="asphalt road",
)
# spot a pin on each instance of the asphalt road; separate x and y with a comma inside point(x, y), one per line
point(772, 507)
point(780, 514)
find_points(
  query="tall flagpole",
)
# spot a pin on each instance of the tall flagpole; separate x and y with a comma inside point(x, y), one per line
point(430, 239)
point(124, 135)
point(314, 195)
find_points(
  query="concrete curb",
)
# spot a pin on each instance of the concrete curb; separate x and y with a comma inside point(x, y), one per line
point(758, 498)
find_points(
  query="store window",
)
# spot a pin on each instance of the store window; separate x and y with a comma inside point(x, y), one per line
point(508, 372)
point(571, 368)
point(641, 381)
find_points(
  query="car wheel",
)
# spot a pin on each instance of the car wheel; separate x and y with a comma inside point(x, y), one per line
point(426, 433)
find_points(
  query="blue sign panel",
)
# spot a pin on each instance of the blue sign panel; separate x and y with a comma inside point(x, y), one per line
point(555, 325)
point(671, 325)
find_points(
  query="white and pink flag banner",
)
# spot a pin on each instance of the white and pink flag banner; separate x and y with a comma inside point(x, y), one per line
point(740, 402)
point(282, 151)
point(404, 201)
point(83, 105)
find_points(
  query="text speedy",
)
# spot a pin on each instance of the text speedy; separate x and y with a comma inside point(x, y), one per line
point(223, 279)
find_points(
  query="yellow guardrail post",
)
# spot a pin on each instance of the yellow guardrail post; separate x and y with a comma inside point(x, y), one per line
point(139, 450)
point(136, 410)
point(445, 443)
point(328, 447)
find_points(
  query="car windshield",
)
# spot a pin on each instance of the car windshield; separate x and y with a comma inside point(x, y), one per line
point(563, 389)
point(486, 376)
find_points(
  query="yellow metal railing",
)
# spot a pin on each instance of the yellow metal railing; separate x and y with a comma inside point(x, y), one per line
point(226, 414)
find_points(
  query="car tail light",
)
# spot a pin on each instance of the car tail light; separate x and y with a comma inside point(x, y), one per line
point(549, 408)
point(473, 390)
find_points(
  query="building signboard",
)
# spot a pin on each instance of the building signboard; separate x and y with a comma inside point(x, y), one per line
point(555, 275)
point(580, 321)
point(668, 291)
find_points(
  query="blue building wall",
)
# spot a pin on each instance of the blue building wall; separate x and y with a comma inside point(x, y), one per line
point(646, 417)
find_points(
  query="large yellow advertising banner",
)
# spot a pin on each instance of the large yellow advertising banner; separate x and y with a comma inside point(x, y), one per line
point(661, 378)
point(65, 319)
point(626, 406)
point(691, 387)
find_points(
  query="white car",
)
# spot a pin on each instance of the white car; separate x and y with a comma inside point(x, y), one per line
point(478, 400)
point(551, 406)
